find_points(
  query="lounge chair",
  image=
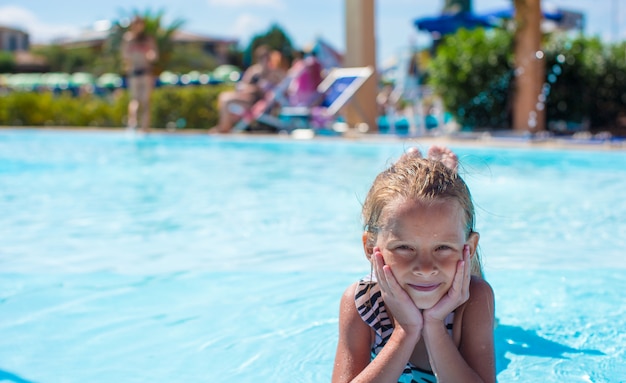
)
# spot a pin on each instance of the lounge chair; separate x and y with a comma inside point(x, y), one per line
point(273, 98)
point(336, 91)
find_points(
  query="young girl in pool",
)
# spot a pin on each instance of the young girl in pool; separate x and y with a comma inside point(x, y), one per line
point(425, 314)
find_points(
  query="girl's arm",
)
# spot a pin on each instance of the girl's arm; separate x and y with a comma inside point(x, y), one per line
point(352, 361)
point(474, 359)
point(355, 340)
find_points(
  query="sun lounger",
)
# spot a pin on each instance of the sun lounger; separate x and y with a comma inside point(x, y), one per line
point(336, 91)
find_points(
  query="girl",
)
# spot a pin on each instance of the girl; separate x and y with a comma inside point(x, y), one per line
point(426, 314)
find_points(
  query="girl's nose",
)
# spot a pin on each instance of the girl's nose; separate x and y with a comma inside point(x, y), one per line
point(424, 266)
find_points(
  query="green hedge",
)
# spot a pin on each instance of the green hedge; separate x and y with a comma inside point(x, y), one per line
point(192, 107)
point(585, 81)
point(472, 73)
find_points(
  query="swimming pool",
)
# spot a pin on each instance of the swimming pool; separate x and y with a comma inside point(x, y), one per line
point(222, 259)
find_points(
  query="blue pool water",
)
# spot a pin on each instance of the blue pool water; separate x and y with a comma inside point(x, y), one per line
point(214, 259)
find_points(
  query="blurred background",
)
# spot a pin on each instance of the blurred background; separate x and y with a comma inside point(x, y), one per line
point(439, 80)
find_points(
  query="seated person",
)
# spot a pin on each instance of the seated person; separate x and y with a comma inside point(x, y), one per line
point(255, 82)
point(306, 74)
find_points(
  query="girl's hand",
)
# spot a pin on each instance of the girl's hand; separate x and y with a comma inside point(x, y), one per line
point(457, 294)
point(397, 300)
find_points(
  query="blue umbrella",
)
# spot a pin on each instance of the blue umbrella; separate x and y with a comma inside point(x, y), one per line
point(509, 13)
point(449, 23)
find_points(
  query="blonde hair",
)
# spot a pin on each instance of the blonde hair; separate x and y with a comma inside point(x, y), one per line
point(416, 178)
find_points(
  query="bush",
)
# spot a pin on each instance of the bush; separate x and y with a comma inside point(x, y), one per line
point(472, 73)
point(190, 107)
point(193, 107)
point(585, 82)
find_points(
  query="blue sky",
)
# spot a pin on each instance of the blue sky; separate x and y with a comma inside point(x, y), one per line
point(303, 20)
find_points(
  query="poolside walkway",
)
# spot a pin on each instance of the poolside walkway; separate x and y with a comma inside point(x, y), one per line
point(479, 139)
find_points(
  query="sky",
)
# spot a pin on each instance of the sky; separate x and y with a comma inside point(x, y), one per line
point(302, 20)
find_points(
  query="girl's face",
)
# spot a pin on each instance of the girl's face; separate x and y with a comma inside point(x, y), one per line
point(422, 242)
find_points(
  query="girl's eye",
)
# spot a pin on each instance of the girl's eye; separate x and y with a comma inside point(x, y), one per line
point(404, 248)
point(443, 248)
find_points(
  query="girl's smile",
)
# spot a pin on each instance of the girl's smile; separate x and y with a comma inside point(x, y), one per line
point(424, 288)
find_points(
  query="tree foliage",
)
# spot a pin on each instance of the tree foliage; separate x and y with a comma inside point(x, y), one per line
point(7, 62)
point(275, 38)
point(154, 27)
point(61, 59)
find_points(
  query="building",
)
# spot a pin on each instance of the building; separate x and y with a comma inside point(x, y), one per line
point(12, 39)
point(17, 42)
point(217, 47)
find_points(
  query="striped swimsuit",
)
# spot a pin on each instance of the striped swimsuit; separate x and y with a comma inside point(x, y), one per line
point(372, 310)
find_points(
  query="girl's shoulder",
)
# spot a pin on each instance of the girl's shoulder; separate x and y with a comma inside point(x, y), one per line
point(351, 290)
point(480, 291)
point(480, 307)
point(477, 312)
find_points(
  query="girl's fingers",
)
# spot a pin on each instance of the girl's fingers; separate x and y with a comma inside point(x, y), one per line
point(462, 275)
point(379, 263)
point(384, 274)
point(467, 271)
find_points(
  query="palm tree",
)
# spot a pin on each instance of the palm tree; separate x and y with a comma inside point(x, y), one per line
point(528, 110)
point(154, 27)
point(456, 6)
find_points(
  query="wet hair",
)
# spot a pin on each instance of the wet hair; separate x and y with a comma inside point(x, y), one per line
point(416, 178)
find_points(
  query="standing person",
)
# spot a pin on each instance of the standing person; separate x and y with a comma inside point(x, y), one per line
point(426, 313)
point(139, 52)
point(256, 81)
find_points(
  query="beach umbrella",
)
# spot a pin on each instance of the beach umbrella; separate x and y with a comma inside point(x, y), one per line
point(227, 73)
point(205, 78)
point(110, 80)
point(25, 81)
point(79, 79)
point(168, 78)
point(509, 13)
point(56, 80)
point(450, 22)
point(192, 77)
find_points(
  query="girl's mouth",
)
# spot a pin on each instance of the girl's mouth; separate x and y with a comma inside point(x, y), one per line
point(425, 287)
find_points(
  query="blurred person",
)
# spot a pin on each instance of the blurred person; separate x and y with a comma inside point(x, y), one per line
point(139, 52)
point(306, 75)
point(257, 80)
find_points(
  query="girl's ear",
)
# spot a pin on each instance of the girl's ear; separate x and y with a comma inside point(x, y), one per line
point(368, 250)
point(472, 241)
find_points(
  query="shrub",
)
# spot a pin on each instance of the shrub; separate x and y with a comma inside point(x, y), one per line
point(191, 107)
point(472, 73)
point(585, 80)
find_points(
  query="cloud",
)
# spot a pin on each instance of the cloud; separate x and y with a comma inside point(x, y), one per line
point(247, 3)
point(247, 25)
point(21, 18)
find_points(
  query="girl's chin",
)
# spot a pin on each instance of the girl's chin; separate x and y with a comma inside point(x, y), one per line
point(424, 306)
point(426, 302)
